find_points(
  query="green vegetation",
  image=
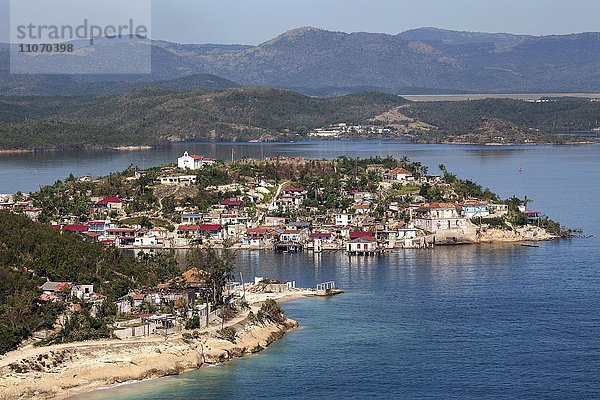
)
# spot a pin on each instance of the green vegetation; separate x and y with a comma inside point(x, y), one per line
point(228, 333)
point(504, 121)
point(30, 252)
point(216, 269)
point(65, 136)
point(154, 116)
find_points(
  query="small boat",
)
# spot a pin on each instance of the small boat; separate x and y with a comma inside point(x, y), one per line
point(529, 245)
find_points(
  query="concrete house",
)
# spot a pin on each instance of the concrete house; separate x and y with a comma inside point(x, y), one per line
point(439, 217)
point(362, 246)
point(475, 209)
point(400, 175)
point(193, 162)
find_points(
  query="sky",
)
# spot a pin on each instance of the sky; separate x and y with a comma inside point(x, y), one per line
point(255, 21)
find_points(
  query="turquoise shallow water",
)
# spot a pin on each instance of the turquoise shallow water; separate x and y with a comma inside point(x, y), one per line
point(468, 322)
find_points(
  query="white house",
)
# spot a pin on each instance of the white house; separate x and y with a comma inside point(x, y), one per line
point(146, 241)
point(194, 161)
point(343, 219)
point(82, 292)
point(400, 174)
point(475, 208)
point(290, 236)
point(362, 245)
point(440, 217)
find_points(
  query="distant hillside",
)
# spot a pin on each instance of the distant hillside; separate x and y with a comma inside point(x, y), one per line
point(425, 59)
point(320, 62)
point(155, 115)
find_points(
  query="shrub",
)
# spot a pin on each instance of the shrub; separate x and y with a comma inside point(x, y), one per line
point(272, 312)
point(227, 333)
point(193, 323)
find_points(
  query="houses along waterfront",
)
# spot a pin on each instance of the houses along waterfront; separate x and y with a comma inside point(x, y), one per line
point(366, 206)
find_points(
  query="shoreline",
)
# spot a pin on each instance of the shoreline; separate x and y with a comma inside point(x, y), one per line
point(61, 371)
point(374, 139)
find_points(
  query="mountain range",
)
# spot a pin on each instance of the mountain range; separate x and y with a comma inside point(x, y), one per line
point(322, 63)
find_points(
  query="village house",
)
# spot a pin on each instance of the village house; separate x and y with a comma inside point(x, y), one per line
point(291, 236)
point(208, 231)
point(159, 232)
point(255, 237)
point(363, 246)
point(475, 209)
point(54, 291)
point(400, 175)
point(192, 218)
point(498, 210)
point(193, 162)
point(407, 233)
point(299, 225)
point(275, 221)
point(344, 219)
point(295, 191)
point(439, 217)
point(231, 203)
point(288, 202)
point(123, 236)
point(82, 292)
point(147, 241)
point(361, 197)
point(109, 203)
point(189, 231)
point(361, 208)
point(100, 227)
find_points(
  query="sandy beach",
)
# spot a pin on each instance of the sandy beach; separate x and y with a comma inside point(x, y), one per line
point(61, 371)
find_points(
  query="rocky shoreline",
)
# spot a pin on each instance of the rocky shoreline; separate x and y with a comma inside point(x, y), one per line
point(60, 371)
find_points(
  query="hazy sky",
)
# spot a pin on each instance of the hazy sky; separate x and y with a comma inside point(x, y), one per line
point(254, 21)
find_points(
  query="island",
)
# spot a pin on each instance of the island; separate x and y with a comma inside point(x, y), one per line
point(94, 295)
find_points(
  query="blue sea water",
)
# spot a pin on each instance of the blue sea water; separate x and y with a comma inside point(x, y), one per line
point(468, 322)
point(465, 322)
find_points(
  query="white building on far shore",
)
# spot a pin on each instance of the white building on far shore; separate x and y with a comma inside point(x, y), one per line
point(193, 162)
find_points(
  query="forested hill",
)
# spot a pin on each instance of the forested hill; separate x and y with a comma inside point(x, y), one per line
point(155, 116)
point(31, 252)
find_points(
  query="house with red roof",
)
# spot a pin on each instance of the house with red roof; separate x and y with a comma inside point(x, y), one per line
point(363, 246)
point(194, 162)
point(54, 291)
point(109, 203)
point(400, 175)
point(295, 190)
point(206, 230)
point(255, 238)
